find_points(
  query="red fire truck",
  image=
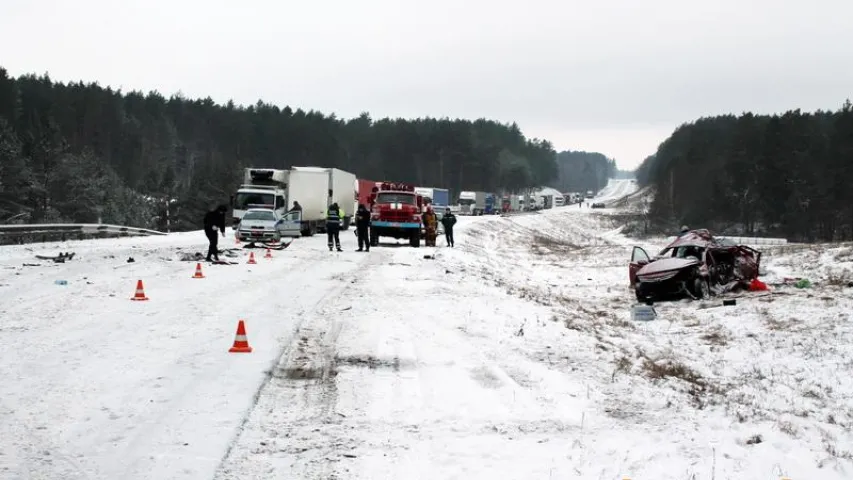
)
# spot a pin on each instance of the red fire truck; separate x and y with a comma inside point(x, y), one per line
point(395, 211)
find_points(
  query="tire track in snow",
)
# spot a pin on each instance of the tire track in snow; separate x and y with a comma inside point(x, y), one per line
point(170, 408)
point(306, 361)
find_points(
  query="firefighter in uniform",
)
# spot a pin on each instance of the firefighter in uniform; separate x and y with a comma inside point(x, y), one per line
point(430, 226)
point(334, 214)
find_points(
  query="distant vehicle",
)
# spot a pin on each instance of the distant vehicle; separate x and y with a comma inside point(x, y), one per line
point(695, 265)
point(599, 205)
point(267, 225)
point(472, 203)
point(590, 194)
point(491, 204)
point(439, 198)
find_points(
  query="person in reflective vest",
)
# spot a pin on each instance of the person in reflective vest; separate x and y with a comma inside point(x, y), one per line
point(334, 214)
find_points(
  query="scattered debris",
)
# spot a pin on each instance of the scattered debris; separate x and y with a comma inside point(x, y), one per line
point(61, 258)
point(643, 313)
point(130, 260)
point(271, 246)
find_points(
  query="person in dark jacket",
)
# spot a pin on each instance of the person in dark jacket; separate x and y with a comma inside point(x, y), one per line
point(214, 220)
point(362, 225)
point(296, 207)
point(334, 214)
point(448, 221)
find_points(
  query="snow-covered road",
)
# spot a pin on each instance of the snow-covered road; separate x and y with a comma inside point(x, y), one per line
point(615, 190)
point(98, 386)
point(511, 356)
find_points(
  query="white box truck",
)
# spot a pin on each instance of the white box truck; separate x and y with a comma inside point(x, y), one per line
point(315, 188)
point(321, 187)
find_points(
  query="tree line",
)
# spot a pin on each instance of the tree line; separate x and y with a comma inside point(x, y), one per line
point(787, 175)
point(583, 171)
point(80, 152)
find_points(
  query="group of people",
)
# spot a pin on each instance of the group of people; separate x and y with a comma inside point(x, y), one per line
point(430, 219)
point(215, 220)
point(335, 214)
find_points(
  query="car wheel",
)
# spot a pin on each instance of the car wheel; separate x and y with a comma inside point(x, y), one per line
point(701, 288)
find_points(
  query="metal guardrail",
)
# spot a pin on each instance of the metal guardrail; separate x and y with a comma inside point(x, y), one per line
point(34, 232)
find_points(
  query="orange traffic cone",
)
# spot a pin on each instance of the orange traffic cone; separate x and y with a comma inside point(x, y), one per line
point(241, 343)
point(251, 258)
point(198, 273)
point(140, 292)
point(269, 254)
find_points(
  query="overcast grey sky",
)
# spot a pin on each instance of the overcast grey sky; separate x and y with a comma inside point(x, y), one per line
point(615, 76)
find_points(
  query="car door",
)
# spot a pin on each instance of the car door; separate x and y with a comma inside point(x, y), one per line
point(639, 258)
point(290, 224)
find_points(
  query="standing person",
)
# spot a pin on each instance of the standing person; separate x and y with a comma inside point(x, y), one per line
point(214, 220)
point(296, 207)
point(333, 225)
point(430, 226)
point(362, 224)
point(448, 220)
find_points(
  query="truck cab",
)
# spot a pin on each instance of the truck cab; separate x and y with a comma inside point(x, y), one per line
point(395, 211)
point(262, 188)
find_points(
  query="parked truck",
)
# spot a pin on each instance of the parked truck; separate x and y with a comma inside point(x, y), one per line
point(315, 188)
point(439, 198)
point(365, 189)
point(395, 211)
point(491, 204)
point(472, 203)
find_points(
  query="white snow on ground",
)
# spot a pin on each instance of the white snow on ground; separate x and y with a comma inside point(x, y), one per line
point(511, 356)
point(615, 190)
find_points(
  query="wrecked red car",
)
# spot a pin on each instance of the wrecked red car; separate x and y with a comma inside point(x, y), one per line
point(695, 265)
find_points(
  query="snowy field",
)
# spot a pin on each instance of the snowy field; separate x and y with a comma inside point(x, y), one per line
point(511, 356)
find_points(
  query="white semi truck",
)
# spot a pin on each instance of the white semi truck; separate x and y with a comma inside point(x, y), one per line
point(471, 203)
point(315, 188)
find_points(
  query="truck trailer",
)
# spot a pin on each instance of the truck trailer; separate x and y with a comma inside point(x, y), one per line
point(365, 189)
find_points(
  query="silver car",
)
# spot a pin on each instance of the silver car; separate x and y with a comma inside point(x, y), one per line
point(265, 225)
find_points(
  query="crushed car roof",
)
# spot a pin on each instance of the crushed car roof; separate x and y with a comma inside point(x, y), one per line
point(700, 238)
